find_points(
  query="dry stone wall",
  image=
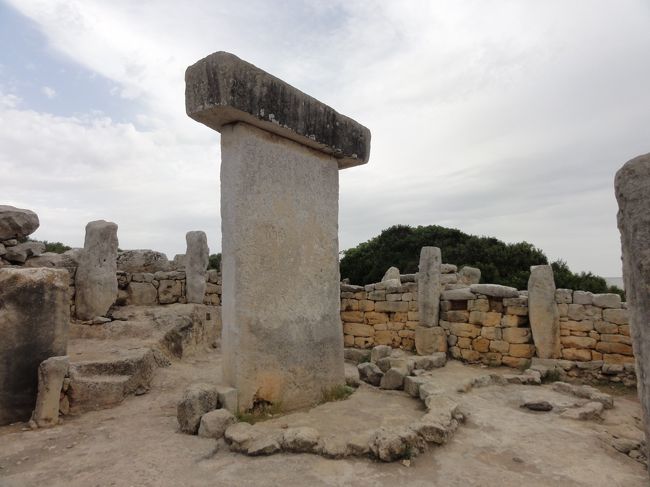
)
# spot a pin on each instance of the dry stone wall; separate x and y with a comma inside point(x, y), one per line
point(489, 324)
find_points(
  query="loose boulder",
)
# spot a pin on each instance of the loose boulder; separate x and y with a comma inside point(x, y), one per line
point(214, 423)
point(17, 223)
point(197, 400)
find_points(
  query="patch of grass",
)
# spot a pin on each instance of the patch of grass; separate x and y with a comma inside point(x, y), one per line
point(336, 393)
point(553, 375)
point(261, 411)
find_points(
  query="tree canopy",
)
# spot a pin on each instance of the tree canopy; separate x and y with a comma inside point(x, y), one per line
point(500, 263)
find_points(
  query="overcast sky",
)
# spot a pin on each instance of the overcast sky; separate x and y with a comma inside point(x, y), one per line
point(500, 118)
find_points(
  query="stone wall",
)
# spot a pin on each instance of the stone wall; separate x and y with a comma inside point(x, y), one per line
point(489, 323)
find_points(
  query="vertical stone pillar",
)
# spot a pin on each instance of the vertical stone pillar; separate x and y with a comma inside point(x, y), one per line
point(96, 279)
point(543, 312)
point(196, 265)
point(34, 321)
point(281, 151)
point(632, 186)
point(429, 337)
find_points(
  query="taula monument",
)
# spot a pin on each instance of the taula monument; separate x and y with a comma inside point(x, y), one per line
point(281, 151)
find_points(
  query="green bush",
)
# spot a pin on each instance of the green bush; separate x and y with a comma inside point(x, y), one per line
point(214, 262)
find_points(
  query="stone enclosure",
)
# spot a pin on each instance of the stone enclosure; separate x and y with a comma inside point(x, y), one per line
point(85, 329)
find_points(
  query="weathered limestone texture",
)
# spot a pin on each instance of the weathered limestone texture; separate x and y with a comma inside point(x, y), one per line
point(427, 339)
point(543, 313)
point(282, 339)
point(633, 195)
point(196, 265)
point(51, 373)
point(96, 280)
point(142, 260)
point(222, 89)
point(34, 320)
point(16, 222)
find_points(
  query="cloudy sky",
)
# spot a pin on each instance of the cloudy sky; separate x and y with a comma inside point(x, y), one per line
point(501, 118)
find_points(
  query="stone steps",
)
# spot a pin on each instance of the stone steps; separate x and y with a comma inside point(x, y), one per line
point(98, 384)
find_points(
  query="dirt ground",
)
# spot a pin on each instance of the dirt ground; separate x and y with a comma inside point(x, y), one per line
point(138, 444)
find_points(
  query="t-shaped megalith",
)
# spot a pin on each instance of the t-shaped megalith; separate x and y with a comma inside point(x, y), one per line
point(280, 155)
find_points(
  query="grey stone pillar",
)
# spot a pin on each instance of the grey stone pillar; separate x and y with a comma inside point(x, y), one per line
point(281, 151)
point(196, 265)
point(96, 279)
point(34, 320)
point(632, 185)
point(543, 312)
point(429, 337)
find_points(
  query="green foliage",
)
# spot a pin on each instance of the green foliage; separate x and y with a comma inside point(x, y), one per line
point(336, 393)
point(214, 261)
point(400, 245)
point(56, 247)
point(261, 411)
point(500, 262)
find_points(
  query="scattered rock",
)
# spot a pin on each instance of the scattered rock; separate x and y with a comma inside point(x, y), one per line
point(379, 352)
point(17, 223)
point(370, 373)
point(213, 424)
point(352, 378)
point(537, 405)
point(300, 440)
point(590, 411)
point(394, 378)
point(197, 400)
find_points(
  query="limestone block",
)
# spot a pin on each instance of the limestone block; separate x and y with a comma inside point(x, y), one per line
point(448, 268)
point(358, 330)
point(379, 352)
point(227, 398)
point(394, 378)
point(17, 223)
point(462, 294)
point(374, 318)
point(583, 355)
point(142, 260)
point(469, 275)
point(608, 300)
point(169, 291)
point(617, 316)
point(611, 347)
point(543, 314)
point(352, 316)
point(582, 326)
point(465, 330)
point(196, 265)
point(429, 286)
point(19, 254)
point(213, 424)
point(513, 320)
point(578, 342)
point(516, 335)
point(582, 297)
point(515, 362)
point(51, 373)
point(392, 306)
point(34, 320)
point(212, 97)
point(279, 204)
point(563, 296)
point(521, 350)
point(458, 316)
point(430, 340)
point(96, 280)
point(370, 373)
point(141, 294)
point(481, 344)
point(197, 400)
point(499, 346)
point(494, 290)
point(391, 274)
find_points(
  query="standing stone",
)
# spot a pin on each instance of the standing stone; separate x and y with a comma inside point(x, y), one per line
point(51, 373)
point(428, 301)
point(34, 320)
point(543, 312)
point(633, 195)
point(469, 275)
point(196, 265)
point(281, 151)
point(16, 222)
point(96, 279)
point(391, 274)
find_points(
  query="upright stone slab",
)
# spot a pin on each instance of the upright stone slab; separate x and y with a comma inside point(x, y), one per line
point(96, 280)
point(428, 338)
point(633, 195)
point(34, 321)
point(543, 312)
point(281, 151)
point(196, 265)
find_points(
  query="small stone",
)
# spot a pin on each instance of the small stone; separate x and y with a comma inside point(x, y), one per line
point(537, 405)
point(197, 400)
point(379, 352)
point(394, 378)
point(214, 423)
point(370, 373)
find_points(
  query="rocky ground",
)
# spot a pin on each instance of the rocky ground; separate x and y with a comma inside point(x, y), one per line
point(138, 443)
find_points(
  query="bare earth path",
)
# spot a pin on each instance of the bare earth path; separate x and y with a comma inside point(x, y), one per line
point(137, 444)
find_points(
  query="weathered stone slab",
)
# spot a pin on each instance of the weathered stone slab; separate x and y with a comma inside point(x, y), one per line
point(222, 89)
point(543, 312)
point(51, 373)
point(196, 265)
point(429, 286)
point(96, 280)
point(633, 195)
point(281, 339)
point(34, 320)
point(494, 290)
point(469, 275)
point(17, 222)
point(142, 260)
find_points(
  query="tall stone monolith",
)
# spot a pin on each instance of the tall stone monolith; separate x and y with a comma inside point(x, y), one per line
point(632, 185)
point(281, 151)
point(429, 337)
point(196, 265)
point(543, 313)
point(34, 321)
point(96, 280)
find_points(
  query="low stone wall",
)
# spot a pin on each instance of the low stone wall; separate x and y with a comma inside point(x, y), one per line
point(489, 324)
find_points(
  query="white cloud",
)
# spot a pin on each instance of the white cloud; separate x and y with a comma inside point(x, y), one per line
point(504, 118)
point(48, 92)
